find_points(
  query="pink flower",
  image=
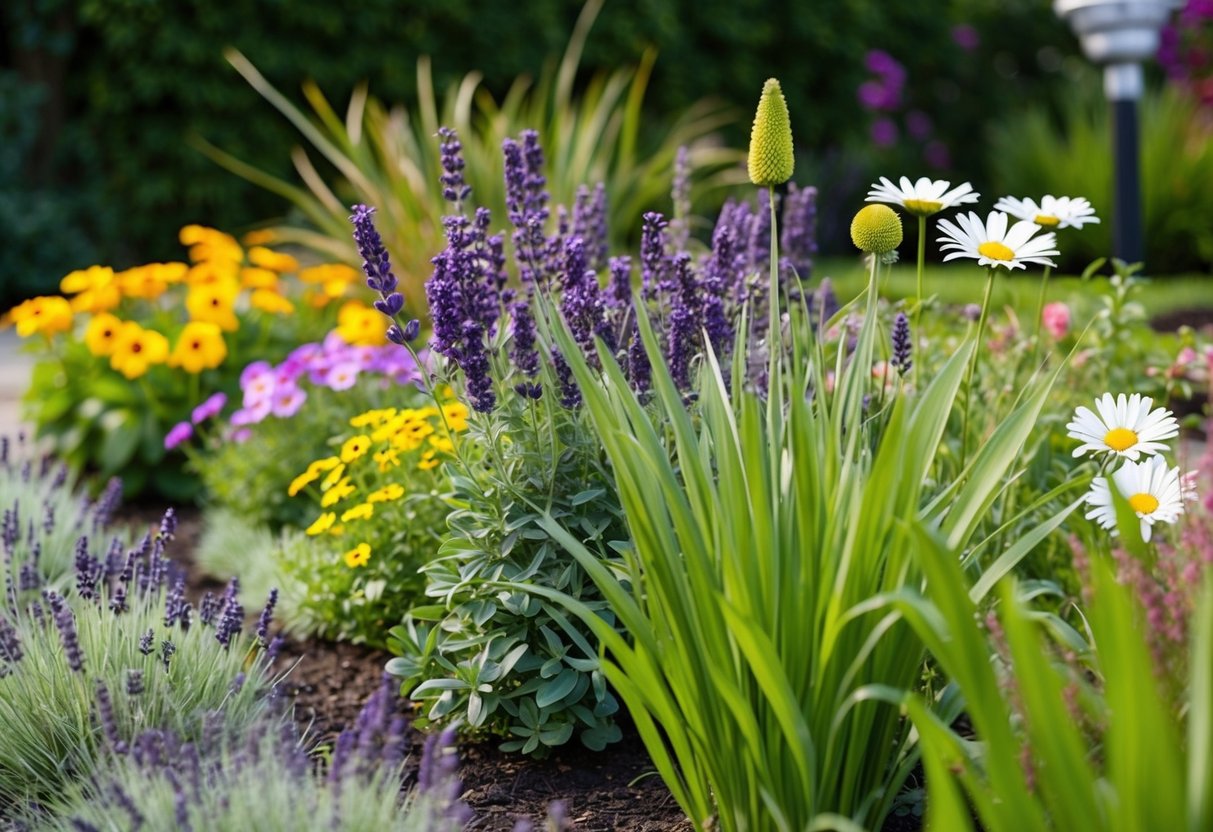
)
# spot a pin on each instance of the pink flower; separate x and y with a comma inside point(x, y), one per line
point(209, 408)
point(287, 401)
point(342, 376)
point(259, 388)
point(966, 37)
point(251, 414)
point(884, 132)
point(1055, 317)
point(180, 432)
point(242, 435)
point(252, 370)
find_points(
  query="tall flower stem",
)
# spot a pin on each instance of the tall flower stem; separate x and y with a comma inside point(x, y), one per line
point(922, 256)
point(1040, 311)
point(981, 327)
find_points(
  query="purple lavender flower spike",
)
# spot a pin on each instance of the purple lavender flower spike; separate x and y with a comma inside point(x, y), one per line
point(10, 642)
point(580, 299)
point(589, 222)
point(798, 240)
point(454, 189)
point(145, 642)
point(717, 276)
point(66, 622)
point(109, 723)
point(107, 503)
point(167, 649)
point(680, 195)
point(685, 323)
point(267, 616)
point(134, 682)
point(654, 262)
point(902, 349)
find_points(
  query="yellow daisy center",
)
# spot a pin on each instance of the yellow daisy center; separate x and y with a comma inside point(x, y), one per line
point(1047, 220)
point(995, 251)
point(1143, 503)
point(925, 207)
point(1120, 439)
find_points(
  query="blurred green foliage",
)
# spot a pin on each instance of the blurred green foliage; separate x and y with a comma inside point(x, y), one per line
point(133, 79)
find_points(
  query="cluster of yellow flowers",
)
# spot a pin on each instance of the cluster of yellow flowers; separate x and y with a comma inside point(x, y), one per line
point(352, 483)
point(219, 272)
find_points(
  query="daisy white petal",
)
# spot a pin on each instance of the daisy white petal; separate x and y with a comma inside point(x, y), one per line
point(1153, 490)
point(1124, 426)
point(922, 198)
point(990, 243)
point(1051, 212)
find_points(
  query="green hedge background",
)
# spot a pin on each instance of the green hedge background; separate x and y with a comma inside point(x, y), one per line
point(99, 97)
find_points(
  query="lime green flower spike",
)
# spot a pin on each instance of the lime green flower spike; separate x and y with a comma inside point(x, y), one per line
point(876, 229)
point(771, 157)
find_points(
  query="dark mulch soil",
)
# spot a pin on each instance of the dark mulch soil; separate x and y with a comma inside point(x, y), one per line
point(1199, 318)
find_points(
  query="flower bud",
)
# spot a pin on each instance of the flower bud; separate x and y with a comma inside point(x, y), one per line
point(771, 158)
point(876, 229)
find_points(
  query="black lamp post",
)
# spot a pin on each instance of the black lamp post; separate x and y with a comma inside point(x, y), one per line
point(1119, 35)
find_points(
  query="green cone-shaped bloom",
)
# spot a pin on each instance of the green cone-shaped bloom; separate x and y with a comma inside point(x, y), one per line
point(771, 157)
point(876, 229)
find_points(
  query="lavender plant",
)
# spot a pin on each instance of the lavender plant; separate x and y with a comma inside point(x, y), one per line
point(504, 661)
point(84, 667)
point(232, 774)
point(43, 514)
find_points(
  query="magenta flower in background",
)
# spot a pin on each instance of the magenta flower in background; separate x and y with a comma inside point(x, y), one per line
point(287, 401)
point(180, 432)
point(884, 132)
point(209, 408)
point(966, 37)
point(342, 376)
point(242, 435)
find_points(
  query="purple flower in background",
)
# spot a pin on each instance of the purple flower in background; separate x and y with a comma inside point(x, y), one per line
point(966, 37)
point(241, 436)
point(454, 189)
point(259, 388)
point(937, 155)
point(918, 124)
point(522, 350)
point(714, 285)
point(798, 240)
point(526, 205)
point(287, 401)
point(179, 433)
point(680, 196)
point(654, 262)
point(873, 95)
point(886, 66)
point(685, 323)
point(590, 224)
point(884, 132)
point(209, 408)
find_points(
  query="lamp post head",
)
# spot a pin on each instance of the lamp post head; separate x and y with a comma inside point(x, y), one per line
point(1117, 31)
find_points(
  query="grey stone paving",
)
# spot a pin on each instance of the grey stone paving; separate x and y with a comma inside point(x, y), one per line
point(15, 368)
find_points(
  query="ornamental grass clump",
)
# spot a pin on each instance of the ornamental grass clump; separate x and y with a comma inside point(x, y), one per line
point(268, 777)
point(85, 666)
point(772, 526)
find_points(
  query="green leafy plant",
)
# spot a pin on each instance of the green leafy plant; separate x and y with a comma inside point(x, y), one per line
point(385, 157)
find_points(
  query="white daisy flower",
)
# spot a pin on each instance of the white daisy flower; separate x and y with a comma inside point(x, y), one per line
point(1152, 489)
point(991, 244)
point(922, 198)
point(1052, 212)
point(1125, 426)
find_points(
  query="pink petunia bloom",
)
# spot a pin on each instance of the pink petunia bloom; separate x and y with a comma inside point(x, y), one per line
point(180, 432)
point(252, 414)
point(209, 408)
point(1055, 318)
point(287, 401)
point(342, 376)
point(260, 388)
point(252, 370)
point(241, 436)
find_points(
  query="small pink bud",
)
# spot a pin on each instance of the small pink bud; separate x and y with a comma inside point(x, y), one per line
point(1056, 319)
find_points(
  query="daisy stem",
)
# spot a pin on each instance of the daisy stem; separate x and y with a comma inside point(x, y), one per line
point(981, 326)
point(916, 335)
point(1040, 311)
